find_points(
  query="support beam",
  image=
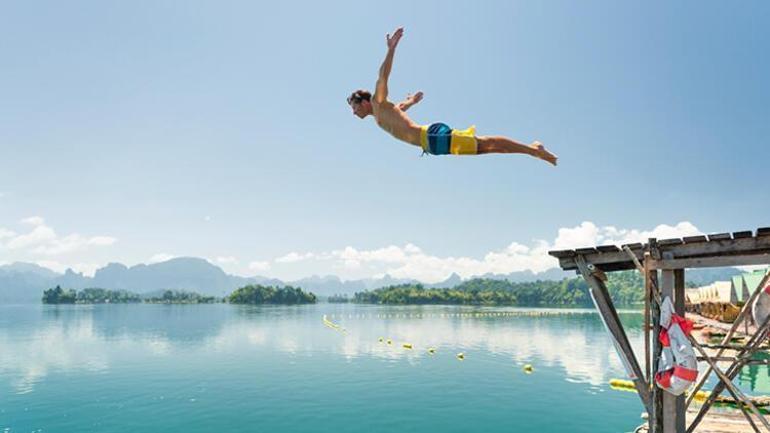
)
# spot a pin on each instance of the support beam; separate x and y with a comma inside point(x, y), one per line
point(681, 425)
point(673, 406)
point(711, 262)
point(609, 315)
point(656, 418)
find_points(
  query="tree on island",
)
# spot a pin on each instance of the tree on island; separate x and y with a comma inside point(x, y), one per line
point(58, 295)
point(258, 294)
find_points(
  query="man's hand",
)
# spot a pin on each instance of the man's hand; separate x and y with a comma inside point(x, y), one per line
point(417, 97)
point(410, 100)
point(393, 40)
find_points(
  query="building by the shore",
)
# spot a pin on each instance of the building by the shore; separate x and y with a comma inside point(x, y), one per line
point(722, 300)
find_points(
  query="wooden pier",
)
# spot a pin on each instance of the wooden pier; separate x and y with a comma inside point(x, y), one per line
point(663, 264)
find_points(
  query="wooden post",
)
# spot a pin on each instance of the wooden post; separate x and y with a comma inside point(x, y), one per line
point(656, 417)
point(672, 411)
point(681, 425)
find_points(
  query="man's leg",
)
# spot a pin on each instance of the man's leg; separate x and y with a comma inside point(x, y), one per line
point(500, 144)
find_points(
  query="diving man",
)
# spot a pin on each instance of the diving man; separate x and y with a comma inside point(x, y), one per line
point(437, 138)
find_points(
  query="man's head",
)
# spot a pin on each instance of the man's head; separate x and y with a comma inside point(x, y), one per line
point(360, 102)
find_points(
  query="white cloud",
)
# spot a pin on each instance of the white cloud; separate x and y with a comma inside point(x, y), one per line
point(33, 221)
point(43, 240)
point(227, 260)
point(207, 218)
point(161, 257)
point(293, 257)
point(39, 235)
point(410, 261)
point(5, 233)
point(71, 243)
point(259, 266)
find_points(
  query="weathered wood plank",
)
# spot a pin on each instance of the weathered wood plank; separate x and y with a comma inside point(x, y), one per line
point(763, 231)
point(562, 253)
point(583, 251)
point(711, 262)
point(666, 242)
point(607, 249)
point(742, 235)
point(694, 239)
point(609, 315)
point(636, 246)
point(719, 236)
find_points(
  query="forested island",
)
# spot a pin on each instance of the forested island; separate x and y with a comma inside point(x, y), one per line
point(252, 294)
point(626, 288)
point(257, 294)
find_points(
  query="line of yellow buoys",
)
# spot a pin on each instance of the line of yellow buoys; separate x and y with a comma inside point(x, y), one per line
point(463, 315)
point(528, 369)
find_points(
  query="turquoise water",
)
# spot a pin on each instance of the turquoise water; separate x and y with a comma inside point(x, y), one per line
point(225, 368)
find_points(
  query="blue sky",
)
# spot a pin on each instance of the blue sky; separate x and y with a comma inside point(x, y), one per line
point(137, 131)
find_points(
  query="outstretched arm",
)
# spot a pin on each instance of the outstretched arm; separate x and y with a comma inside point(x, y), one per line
point(381, 91)
point(409, 101)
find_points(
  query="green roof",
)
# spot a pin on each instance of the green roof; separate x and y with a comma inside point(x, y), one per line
point(753, 279)
point(738, 285)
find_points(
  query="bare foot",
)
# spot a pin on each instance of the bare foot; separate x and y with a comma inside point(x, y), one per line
point(542, 153)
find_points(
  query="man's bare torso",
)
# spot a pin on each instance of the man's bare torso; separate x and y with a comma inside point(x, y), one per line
point(393, 120)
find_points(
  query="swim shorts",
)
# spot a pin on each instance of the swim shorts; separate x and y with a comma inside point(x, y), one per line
point(440, 139)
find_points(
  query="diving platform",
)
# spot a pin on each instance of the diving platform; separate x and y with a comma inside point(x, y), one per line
point(663, 264)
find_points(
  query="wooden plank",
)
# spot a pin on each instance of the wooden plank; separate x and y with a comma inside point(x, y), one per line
point(609, 315)
point(742, 235)
point(666, 242)
point(562, 253)
point(583, 251)
point(694, 239)
point(711, 262)
point(763, 231)
point(719, 237)
point(608, 249)
point(636, 246)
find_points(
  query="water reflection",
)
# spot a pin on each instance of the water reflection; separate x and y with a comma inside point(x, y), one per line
point(36, 340)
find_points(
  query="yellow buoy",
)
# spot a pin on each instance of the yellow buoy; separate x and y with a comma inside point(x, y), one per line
point(381, 339)
point(431, 350)
point(528, 368)
point(407, 345)
point(461, 356)
point(624, 385)
point(390, 341)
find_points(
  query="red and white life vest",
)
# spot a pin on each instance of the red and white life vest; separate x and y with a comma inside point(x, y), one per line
point(678, 366)
point(761, 308)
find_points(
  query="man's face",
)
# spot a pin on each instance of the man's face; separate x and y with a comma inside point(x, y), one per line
point(360, 108)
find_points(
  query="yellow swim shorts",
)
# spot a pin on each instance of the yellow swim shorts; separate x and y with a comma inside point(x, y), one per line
point(440, 139)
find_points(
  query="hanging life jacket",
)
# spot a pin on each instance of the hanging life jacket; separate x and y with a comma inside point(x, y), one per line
point(677, 367)
point(761, 308)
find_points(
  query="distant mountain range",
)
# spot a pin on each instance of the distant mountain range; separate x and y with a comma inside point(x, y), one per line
point(25, 282)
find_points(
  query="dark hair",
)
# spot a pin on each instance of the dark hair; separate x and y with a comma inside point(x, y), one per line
point(359, 95)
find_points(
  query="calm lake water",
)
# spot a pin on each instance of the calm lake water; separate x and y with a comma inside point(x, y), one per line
point(225, 368)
